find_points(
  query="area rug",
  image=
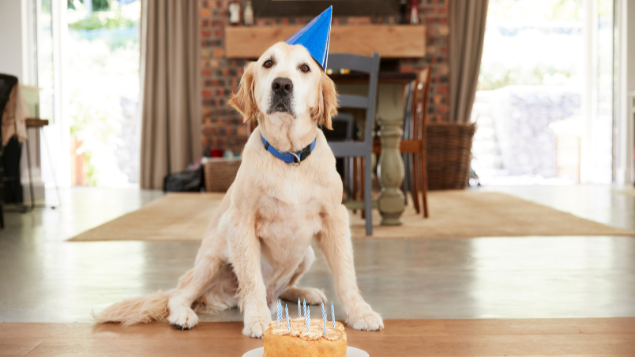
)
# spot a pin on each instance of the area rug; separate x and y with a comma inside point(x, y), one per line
point(453, 214)
point(626, 192)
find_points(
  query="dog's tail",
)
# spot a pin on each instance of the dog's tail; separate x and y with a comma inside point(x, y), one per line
point(136, 311)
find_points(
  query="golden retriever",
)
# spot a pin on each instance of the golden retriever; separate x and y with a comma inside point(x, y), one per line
point(258, 244)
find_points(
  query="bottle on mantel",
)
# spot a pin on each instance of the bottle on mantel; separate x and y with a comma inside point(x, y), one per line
point(248, 14)
point(403, 11)
point(414, 12)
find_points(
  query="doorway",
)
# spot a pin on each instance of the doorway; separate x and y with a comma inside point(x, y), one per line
point(544, 98)
point(102, 79)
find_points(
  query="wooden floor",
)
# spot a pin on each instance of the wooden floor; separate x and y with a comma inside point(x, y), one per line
point(606, 337)
point(45, 279)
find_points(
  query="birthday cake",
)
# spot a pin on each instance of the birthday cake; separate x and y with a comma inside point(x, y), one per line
point(304, 337)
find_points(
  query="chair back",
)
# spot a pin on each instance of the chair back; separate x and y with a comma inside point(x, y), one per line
point(408, 93)
point(363, 64)
point(420, 107)
point(6, 86)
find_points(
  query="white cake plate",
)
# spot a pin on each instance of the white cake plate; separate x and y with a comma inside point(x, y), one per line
point(350, 352)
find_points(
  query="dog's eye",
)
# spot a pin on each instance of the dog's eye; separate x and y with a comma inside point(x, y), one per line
point(268, 64)
point(305, 68)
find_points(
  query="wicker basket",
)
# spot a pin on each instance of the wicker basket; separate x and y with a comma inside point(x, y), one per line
point(220, 174)
point(449, 152)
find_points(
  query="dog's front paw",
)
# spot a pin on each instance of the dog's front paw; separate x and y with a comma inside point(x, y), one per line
point(256, 325)
point(365, 319)
point(183, 319)
point(312, 296)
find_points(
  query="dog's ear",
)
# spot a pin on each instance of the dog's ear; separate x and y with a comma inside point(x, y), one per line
point(327, 102)
point(244, 100)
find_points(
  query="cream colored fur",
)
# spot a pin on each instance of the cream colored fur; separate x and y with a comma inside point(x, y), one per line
point(258, 245)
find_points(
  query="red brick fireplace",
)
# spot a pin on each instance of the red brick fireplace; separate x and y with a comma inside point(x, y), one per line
point(222, 126)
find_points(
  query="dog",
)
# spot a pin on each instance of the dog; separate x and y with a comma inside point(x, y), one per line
point(258, 244)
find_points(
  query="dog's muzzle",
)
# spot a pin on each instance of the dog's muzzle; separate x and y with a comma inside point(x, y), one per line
point(281, 96)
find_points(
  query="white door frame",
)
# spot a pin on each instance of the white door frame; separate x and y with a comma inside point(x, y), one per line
point(59, 133)
point(589, 90)
point(624, 142)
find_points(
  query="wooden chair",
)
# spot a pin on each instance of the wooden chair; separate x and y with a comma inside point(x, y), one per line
point(413, 142)
point(6, 85)
point(407, 126)
point(349, 121)
point(359, 149)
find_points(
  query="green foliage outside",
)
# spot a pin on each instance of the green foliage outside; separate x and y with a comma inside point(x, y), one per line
point(103, 70)
point(101, 20)
point(106, 14)
point(535, 10)
point(532, 42)
point(497, 76)
point(98, 5)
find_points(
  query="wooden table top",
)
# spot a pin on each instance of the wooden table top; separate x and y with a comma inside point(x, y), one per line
point(384, 77)
point(609, 337)
point(36, 122)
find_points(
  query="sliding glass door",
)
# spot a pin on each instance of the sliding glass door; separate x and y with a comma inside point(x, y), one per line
point(544, 100)
point(103, 86)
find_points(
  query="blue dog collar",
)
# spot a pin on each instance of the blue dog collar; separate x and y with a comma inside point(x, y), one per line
point(293, 158)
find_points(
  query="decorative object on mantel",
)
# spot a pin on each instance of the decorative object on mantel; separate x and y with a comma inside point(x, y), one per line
point(449, 153)
point(248, 14)
point(414, 12)
point(301, 8)
point(403, 11)
point(234, 13)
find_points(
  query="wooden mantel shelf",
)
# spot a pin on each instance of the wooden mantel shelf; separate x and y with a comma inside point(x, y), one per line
point(391, 41)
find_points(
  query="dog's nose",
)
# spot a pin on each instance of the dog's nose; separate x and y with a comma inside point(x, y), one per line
point(282, 86)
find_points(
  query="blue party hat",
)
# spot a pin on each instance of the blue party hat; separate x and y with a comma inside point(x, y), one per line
point(315, 36)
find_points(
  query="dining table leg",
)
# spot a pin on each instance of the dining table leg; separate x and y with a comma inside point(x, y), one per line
point(390, 171)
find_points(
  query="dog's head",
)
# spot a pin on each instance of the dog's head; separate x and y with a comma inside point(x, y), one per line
point(286, 82)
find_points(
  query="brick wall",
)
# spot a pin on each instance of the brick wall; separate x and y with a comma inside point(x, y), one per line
point(222, 126)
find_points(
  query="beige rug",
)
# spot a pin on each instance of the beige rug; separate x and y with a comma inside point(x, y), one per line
point(453, 214)
point(626, 192)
